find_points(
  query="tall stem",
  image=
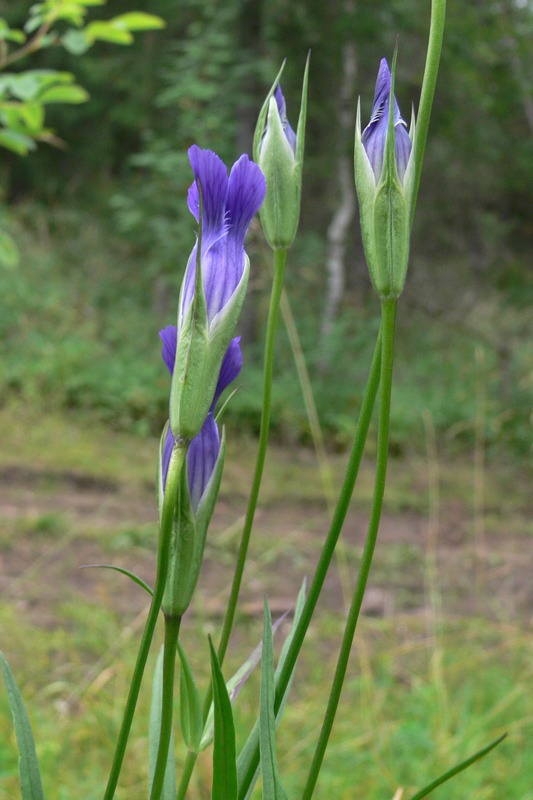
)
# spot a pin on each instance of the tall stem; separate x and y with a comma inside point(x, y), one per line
point(388, 322)
point(280, 258)
point(185, 779)
point(165, 529)
point(172, 630)
point(436, 32)
point(337, 522)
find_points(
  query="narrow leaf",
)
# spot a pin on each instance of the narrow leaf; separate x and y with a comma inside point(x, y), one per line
point(247, 753)
point(190, 705)
point(235, 684)
point(224, 753)
point(169, 784)
point(455, 770)
point(135, 578)
point(30, 775)
point(272, 786)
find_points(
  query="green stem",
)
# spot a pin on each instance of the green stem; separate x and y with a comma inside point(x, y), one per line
point(172, 631)
point(280, 258)
point(337, 522)
point(388, 321)
point(165, 529)
point(188, 767)
point(436, 32)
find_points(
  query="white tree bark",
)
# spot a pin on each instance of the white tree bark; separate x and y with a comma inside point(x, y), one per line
point(342, 218)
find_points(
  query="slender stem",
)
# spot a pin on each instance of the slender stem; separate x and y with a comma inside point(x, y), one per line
point(388, 320)
point(436, 32)
point(337, 522)
point(280, 258)
point(30, 47)
point(188, 767)
point(165, 529)
point(172, 631)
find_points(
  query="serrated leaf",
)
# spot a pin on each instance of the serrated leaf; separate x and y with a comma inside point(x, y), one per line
point(16, 142)
point(138, 21)
point(169, 783)
point(64, 94)
point(190, 705)
point(107, 32)
point(455, 770)
point(224, 752)
point(30, 774)
point(272, 786)
point(9, 252)
point(75, 42)
point(135, 578)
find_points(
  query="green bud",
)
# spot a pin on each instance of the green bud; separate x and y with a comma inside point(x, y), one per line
point(201, 348)
point(385, 199)
point(189, 533)
point(279, 151)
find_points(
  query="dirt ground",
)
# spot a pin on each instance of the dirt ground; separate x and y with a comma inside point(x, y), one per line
point(52, 522)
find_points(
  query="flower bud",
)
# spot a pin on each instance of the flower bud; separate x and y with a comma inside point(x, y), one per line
point(279, 151)
point(215, 282)
point(384, 178)
point(199, 485)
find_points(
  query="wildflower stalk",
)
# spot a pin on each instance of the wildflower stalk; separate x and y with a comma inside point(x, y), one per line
point(172, 630)
point(388, 322)
point(436, 32)
point(337, 522)
point(177, 460)
point(280, 258)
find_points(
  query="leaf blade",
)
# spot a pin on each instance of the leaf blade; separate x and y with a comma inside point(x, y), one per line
point(190, 705)
point(455, 770)
point(273, 788)
point(224, 750)
point(30, 774)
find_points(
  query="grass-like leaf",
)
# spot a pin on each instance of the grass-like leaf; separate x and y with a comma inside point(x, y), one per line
point(272, 786)
point(247, 753)
point(192, 723)
point(30, 774)
point(169, 784)
point(135, 578)
point(455, 770)
point(224, 751)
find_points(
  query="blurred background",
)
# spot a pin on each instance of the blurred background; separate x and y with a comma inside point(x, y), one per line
point(444, 657)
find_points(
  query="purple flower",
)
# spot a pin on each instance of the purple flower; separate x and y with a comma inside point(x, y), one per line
point(228, 206)
point(289, 133)
point(205, 447)
point(375, 134)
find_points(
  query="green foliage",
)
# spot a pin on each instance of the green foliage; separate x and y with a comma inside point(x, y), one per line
point(190, 705)
point(272, 785)
point(30, 774)
point(224, 754)
point(169, 783)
